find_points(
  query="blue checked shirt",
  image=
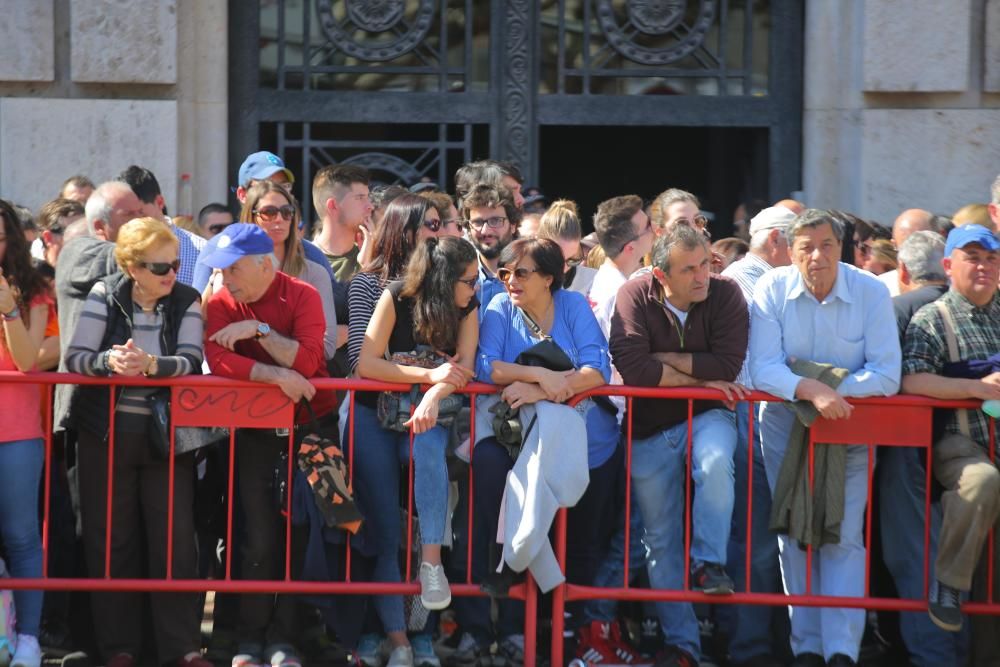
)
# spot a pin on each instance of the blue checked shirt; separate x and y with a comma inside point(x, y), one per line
point(189, 247)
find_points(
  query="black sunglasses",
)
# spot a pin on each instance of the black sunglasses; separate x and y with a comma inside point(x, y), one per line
point(217, 228)
point(269, 213)
point(161, 268)
point(471, 283)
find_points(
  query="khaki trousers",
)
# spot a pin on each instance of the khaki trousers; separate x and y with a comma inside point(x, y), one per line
point(970, 503)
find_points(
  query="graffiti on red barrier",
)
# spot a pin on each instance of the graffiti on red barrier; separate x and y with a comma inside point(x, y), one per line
point(250, 407)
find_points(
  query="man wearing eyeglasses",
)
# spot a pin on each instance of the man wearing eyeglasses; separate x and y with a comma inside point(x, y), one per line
point(491, 218)
point(214, 218)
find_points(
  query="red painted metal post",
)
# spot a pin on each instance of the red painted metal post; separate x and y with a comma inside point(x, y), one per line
point(288, 501)
point(232, 501)
point(628, 491)
point(868, 519)
point(111, 477)
point(687, 498)
point(46, 510)
point(171, 456)
point(559, 594)
point(531, 622)
point(747, 539)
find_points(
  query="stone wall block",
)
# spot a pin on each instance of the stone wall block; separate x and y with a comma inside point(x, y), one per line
point(916, 45)
point(47, 140)
point(934, 159)
point(991, 67)
point(27, 33)
point(123, 41)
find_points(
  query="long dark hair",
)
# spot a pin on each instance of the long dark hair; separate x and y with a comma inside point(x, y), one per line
point(16, 261)
point(396, 236)
point(435, 267)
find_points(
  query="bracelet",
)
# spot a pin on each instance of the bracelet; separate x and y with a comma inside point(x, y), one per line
point(12, 315)
point(104, 360)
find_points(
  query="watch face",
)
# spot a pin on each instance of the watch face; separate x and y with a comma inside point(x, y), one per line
point(263, 329)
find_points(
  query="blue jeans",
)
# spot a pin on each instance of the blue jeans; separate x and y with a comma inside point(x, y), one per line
point(749, 626)
point(20, 473)
point(658, 476)
point(378, 455)
point(901, 484)
point(611, 571)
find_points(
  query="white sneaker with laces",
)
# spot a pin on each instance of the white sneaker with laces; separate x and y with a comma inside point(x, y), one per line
point(401, 656)
point(435, 594)
point(28, 653)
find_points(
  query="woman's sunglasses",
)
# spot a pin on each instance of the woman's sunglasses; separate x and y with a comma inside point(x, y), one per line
point(471, 283)
point(270, 213)
point(161, 268)
point(432, 225)
point(521, 273)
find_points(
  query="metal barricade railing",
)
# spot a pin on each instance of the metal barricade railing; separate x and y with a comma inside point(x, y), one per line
point(212, 401)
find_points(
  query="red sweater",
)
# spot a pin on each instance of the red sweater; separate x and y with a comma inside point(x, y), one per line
point(293, 309)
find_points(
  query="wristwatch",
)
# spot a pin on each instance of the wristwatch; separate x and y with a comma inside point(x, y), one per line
point(12, 315)
point(263, 330)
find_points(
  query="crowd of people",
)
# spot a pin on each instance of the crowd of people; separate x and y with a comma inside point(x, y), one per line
point(419, 287)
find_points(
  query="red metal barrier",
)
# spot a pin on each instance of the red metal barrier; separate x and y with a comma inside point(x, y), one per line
point(212, 401)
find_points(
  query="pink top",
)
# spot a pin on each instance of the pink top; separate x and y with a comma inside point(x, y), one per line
point(21, 416)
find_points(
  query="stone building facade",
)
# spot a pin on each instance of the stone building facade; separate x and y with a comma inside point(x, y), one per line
point(900, 98)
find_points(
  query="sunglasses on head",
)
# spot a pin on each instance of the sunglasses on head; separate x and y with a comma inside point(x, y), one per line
point(269, 213)
point(217, 228)
point(161, 268)
point(521, 273)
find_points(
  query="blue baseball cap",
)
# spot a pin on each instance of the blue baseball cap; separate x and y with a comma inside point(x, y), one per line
point(238, 240)
point(262, 165)
point(966, 234)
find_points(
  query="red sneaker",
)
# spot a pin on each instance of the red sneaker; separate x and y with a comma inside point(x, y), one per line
point(601, 644)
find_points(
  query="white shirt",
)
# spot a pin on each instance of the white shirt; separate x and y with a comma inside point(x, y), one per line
point(891, 280)
point(746, 272)
point(603, 295)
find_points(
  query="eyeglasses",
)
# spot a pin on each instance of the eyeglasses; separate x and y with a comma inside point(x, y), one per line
point(575, 261)
point(161, 268)
point(270, 213)
point(699, 222)
point(648, 229)
point(492, 223)
point(55, 229)
point(521, 273)
point(432, 225)
point(217, 228)
point(451, 221)
point(864, 248)
point(471, 283)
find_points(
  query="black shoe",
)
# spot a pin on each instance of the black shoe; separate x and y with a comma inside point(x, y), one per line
point(711, 579)
point(809, 660)
point(762, 660)
point(675, 657)
point(840, 660)
point(945, 607)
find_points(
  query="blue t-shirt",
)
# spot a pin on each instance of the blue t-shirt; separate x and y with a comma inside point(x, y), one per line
point(503, 335)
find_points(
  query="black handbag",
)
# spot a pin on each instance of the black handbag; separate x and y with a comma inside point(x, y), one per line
point(547, 354)
point(186, 438)
point(394, 407)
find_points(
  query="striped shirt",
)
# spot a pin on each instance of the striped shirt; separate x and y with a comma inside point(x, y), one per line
point(83, 352)
point(362, 295)
point(746, 272)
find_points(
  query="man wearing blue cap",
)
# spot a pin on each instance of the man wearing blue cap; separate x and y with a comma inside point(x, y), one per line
point(268, 327)
point(835, 332)
point(952, 350)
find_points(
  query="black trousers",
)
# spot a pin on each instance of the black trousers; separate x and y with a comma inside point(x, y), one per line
point(138, 526)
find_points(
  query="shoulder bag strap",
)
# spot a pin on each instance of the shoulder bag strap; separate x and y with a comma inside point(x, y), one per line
point(953, 356)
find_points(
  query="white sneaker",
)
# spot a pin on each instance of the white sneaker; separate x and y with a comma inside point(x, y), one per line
point(401, 656)
point(28, 653)
point(435, 594)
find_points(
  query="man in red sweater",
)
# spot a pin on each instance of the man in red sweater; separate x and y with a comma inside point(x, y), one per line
point(268, 327)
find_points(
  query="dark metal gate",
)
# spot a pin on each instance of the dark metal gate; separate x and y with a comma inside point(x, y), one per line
point(413, 88)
